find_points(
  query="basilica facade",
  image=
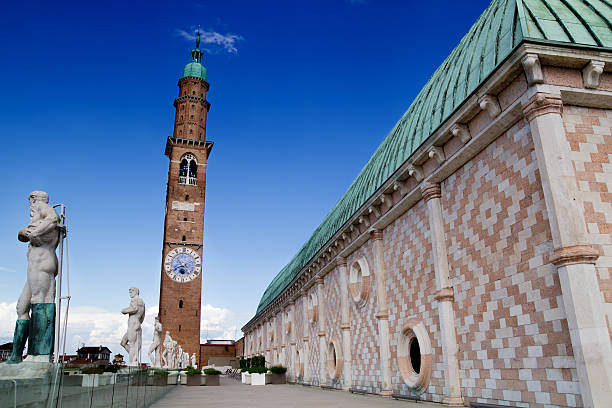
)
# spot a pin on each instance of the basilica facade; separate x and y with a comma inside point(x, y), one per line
point(470, 260)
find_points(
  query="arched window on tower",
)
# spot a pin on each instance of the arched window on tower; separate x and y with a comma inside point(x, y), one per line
point(189, 170)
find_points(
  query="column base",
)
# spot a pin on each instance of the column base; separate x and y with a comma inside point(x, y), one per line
point(454, 401)
point(386, 393)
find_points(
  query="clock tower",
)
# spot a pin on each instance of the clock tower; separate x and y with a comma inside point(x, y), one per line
point(180, 294)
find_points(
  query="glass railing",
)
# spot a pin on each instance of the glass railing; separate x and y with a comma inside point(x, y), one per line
point(128, 388)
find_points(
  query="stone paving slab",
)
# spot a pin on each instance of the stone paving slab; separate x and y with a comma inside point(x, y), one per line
point(232, 393)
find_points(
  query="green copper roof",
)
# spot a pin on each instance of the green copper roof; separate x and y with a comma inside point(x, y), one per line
point(195, 67)
point(500, 29)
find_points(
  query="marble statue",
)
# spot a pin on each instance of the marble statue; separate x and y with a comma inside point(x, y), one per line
point(167, 353)
point(174, 349)
point(179, 357)
point(193, 361)
point(185, 359)
point(38, 292)
point(132, 339)
point(155, 349)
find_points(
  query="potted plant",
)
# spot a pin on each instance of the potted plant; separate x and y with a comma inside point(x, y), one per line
point(212, 376)
point(258, 375)
point(194, 376)
point(278, 375)
point(243, 369)
point(91, 376)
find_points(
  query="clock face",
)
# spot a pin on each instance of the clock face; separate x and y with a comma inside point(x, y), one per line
point(183, 264)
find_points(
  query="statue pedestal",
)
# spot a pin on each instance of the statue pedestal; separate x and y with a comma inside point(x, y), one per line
point(31, 367)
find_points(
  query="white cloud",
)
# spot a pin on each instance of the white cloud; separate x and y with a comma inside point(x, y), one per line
point(5, 269)
point(218, 323)
point(226, 41)
point(94, 326)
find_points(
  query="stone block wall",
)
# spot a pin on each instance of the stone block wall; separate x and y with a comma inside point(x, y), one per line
point(480, 264)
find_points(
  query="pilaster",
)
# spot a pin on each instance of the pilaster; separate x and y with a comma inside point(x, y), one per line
point(305, 351)
point(382, 314)
point(322, 328)
point(431, 193)
point(293, 339)
point(346, 323)
point(572, 256)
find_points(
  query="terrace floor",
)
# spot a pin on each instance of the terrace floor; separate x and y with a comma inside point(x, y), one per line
point(233, 393)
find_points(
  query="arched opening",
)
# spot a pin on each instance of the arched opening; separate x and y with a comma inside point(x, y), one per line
point(184, 238)
point(185, 219)
point(180, 304)
point(186, 197)
point(188, 170)
point(179, 327)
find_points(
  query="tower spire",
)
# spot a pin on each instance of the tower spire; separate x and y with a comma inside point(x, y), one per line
point(196, 53)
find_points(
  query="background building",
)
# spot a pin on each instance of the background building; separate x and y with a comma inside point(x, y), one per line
point(470, 259)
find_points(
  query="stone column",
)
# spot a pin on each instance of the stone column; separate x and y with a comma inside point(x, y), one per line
point(305, 351)
point(346, 323)
point(267, 339)
point(293, 338)
point(573, 256)
point(382, 314)
point(322, 345)
point(282, 359)
point(444, 294)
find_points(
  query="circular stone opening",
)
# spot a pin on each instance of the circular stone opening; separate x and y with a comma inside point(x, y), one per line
point(359, 281)
point(334, 362)
point(415, 355)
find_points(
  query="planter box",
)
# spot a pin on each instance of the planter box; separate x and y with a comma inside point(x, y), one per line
point(247, 379)
point(278, 378)
point(73, 380)
point(260, 379)
point(244, 376)
point(91, 380)
point(194, 380)
point(172, 378)
point(158, 380)
point(183, 375)
point(212, 379)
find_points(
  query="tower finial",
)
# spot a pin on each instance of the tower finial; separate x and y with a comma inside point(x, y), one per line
point(198, 38)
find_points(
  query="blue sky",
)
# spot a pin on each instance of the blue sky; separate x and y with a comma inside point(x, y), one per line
point(302, 93)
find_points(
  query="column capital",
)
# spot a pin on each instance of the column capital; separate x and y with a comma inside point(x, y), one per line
point(319, 280)
point(541, 104)
point(445, 294)
point(345, 326)
point(577, 254)
point(376, 235)
point(305, 339)
point(303, 292)
point(340, 261)
point(430, 191)
point(321, 334)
